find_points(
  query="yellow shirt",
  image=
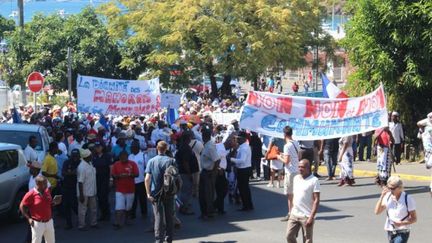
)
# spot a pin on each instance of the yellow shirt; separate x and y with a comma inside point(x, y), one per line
point(49, 166)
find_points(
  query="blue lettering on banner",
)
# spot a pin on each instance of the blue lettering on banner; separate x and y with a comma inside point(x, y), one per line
point(309, 127)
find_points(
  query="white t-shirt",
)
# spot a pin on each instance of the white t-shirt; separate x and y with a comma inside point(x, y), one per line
point(30, 154)
point(140, 162)
point(86, 174)
point(62, 147)
point(303, 195)
point(291, 149)
point(397, 210)
point(220, 147)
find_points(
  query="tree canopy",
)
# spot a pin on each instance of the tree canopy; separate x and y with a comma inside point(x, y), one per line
point(390, 41)
point(42, 46)
point(235, 38)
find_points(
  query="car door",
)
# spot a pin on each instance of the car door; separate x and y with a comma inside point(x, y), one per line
point(9, 176)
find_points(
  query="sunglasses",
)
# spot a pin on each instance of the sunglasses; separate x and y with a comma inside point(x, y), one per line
point(392, 188)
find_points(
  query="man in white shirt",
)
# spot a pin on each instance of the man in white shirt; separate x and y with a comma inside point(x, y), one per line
point(290, 158)
point(209, 160)
point(140, 194)
point(78, 142)
point(243, 163)
point(30, 152)
point(86, 188)
point(398, 135)
point(159, 134)
point(221, 182)
point(305, 204)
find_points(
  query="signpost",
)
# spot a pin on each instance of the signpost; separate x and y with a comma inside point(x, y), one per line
point(35, 83)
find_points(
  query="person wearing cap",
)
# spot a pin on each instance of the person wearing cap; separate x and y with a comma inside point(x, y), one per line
point(102, 161)
point(124, 172)
point(69, 173)
point(120, 146)
point(140, 194)
point(243, 163)
point(398, 135)
point(86, 187)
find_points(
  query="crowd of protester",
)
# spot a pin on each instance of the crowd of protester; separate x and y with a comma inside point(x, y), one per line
point(89, 152)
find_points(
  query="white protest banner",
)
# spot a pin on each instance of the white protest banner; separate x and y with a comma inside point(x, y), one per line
point(117, 97)
point(170, 100)
point(313, 118)
point(225, 118)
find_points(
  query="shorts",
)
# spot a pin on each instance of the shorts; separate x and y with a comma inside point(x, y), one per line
point(276, 165)
point(124, 201)
point(289, 183)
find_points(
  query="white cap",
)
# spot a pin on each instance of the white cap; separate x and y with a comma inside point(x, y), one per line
point(395, 113)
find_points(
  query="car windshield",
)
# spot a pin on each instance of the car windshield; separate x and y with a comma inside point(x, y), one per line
point(20, 138)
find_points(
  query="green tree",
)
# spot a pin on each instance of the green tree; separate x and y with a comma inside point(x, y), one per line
point(42, 46)
point(235, 38)
point(390, 41)
point(5, 26)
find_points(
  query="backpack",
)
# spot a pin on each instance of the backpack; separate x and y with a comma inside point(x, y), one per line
point(171, 182)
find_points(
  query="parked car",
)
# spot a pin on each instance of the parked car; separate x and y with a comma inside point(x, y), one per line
point(14, 177)
point(20, 133)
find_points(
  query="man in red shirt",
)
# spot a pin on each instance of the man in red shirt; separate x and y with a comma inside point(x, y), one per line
point(36, 207)
point(124, 171)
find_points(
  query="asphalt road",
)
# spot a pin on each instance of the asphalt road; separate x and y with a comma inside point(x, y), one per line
point(345, 215)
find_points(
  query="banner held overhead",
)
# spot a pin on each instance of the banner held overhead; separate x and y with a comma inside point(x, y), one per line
point(314, 118)
point(118, 97)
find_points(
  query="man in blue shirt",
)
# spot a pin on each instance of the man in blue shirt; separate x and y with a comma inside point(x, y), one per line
point(163, 208)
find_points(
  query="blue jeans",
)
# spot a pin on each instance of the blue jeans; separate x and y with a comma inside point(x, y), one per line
point(330, 158)
point(398, 237)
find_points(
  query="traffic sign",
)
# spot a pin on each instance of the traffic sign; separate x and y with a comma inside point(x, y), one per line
point(35, 81)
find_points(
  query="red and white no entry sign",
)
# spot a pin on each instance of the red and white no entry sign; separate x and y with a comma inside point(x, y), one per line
point(35, 81)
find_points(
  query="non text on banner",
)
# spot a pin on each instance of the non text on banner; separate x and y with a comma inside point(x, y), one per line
point(314, 118)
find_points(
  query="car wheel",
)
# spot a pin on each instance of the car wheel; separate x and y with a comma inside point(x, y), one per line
point(15, 213)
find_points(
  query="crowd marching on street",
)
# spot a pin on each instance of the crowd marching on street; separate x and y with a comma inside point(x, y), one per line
point(153, 164)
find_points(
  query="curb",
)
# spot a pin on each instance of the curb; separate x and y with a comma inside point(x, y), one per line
point(368, 173)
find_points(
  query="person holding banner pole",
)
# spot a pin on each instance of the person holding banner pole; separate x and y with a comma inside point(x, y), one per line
point(345, 160)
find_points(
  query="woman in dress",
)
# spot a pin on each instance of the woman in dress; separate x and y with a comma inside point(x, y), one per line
point(383, 141)
point(345, 161)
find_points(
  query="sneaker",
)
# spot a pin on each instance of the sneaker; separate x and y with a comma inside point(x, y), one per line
point(285, 219)
point(270, 185)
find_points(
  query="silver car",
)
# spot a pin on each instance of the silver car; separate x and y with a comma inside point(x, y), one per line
point(20, 133)
point(14, 177)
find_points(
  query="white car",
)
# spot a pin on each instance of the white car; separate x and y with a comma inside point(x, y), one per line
point(14, 177)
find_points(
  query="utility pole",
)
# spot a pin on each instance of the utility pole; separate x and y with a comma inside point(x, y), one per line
point(21, 13)
point(20, 61)
point(69, 72)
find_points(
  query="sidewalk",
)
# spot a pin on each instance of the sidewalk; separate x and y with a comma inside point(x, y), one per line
point(412, 171)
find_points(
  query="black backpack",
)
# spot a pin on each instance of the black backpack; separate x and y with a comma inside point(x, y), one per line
point(171, 182)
